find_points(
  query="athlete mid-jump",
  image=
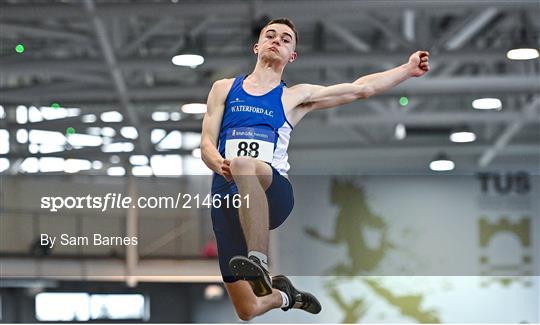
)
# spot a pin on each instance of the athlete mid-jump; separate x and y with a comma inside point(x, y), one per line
point(245, 135)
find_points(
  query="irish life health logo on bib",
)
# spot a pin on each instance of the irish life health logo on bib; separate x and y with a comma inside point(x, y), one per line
point(250, 142)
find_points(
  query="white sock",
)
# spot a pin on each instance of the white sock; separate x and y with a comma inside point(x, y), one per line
point(262, 257)
point(285, 299)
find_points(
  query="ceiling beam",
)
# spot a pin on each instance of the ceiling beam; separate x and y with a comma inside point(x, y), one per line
point(116, 74)
point(530, 113)
point(144, 36)
point(494, 85)
point(347, 36)
point(299, 9)
point(428, 119)
point(464, 32)
point(19, 66)
point(10, 30)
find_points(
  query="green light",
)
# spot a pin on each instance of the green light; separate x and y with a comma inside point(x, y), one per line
point(55, 105)
point(19, 48)
point(70, 130)
point(403, 101)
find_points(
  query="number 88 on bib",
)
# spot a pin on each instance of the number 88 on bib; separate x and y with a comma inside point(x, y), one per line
point(250, 142)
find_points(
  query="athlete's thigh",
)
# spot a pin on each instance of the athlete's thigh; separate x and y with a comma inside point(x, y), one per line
point(264, 173)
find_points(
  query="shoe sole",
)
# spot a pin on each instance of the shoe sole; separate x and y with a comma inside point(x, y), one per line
point(245, 269)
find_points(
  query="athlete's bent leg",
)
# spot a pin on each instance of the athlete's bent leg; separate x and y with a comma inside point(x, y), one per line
point(247, 305)
point(253, 177)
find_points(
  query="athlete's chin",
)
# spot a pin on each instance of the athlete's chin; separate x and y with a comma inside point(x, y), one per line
point(272, 57)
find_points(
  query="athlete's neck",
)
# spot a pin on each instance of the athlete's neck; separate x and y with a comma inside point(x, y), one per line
point(265, 76)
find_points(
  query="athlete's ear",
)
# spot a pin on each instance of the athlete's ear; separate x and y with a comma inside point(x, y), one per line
point(293, 57)
point(256, 48)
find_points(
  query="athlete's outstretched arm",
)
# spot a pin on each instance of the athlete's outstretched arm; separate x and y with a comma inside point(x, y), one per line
point(319, 97)
point(210, 128)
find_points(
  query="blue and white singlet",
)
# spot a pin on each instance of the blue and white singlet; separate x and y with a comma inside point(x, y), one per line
point(254, 126)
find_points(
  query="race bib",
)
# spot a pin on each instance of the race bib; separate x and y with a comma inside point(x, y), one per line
point(250, 142)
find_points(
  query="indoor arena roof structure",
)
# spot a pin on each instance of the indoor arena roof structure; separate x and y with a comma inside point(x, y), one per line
point(93, 82)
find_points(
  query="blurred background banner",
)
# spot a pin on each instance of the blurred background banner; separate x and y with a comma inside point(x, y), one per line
point(418, 205)
point(385, 225)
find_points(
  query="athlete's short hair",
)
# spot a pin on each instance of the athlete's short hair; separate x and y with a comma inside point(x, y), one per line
point(284, 21)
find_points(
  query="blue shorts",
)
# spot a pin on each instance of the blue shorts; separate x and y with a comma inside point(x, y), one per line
point(226, 223)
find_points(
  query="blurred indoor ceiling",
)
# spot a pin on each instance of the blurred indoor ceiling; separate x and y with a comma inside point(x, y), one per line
point(102, 56)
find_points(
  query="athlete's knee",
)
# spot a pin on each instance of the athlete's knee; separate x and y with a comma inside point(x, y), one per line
point(243, 166)
point(246, 310)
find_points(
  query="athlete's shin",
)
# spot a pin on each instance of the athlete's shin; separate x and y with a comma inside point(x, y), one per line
point(253, 218)
point(251, 180)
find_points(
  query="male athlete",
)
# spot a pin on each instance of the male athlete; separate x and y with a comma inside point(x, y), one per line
point(245, 135)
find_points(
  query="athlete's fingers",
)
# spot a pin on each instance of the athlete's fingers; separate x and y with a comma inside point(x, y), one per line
point(226, 162)
point(226, 172)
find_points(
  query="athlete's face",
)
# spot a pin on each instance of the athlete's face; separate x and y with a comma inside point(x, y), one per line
point(276, 42)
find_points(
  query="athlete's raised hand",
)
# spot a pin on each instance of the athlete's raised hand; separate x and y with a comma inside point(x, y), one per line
point(418, 63)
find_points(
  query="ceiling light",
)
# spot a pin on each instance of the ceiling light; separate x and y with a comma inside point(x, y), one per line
point(116, 171)
point(108, 131)
point(51, 164)
point(141, 171)
point(47, 137)
point(30, 165)
point(34, 115)
point(76, 165)
point(138, 160)
point(173, 140)
point(196, 153)
point(441, 163)
point(129, 132)
point(194, 108)
point(175, 116)
point(400, 131)
point(188, 60)
point(96, 164)
point(52, 113)
point(487, 103)
point(114, 159)
point(82, 140)
point(112, 116)
point(21, 114)
point(462, 136)
point(157, 134)
point(22, 136)
point(47, 148)
point(4, 164)
point(88, 118)
point(167, 165)
point(522, 54)
point(160, 116)
point(118, 147)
